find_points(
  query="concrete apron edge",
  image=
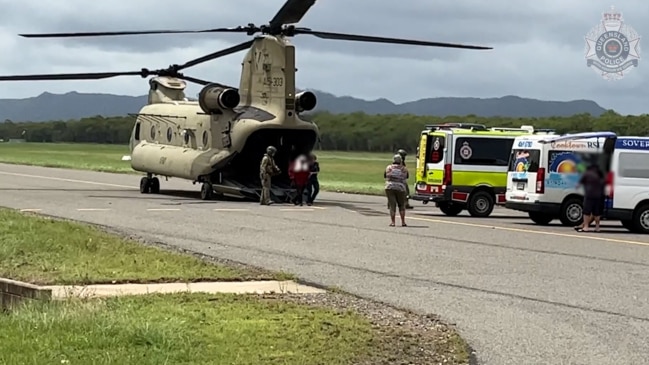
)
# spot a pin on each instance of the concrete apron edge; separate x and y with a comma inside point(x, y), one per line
point(105, 290)
point(232, 287)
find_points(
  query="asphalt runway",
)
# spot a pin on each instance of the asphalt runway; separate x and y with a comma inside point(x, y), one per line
point(519, 293)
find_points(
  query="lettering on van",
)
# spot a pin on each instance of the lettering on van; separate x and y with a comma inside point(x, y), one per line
point(633, 144)
point(573, 145)
point(524, 144)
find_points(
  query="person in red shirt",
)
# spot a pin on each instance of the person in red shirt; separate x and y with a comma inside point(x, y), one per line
point(299, 174)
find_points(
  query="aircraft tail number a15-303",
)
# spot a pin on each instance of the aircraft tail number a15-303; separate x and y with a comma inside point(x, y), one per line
point(612, 46)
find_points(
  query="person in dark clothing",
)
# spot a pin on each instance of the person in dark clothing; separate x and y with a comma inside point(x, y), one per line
point(313, 186)
point(593, 182)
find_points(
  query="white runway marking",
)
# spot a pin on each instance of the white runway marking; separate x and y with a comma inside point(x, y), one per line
point(296, 209)
point(67, 180)
point(521, 230)
point(31, 210)
point(163, 209)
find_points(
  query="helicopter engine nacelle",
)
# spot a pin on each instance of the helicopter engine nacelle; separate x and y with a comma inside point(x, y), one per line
point(213, 98)
point(305, 101)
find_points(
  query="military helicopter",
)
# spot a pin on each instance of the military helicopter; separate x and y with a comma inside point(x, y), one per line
point(219, 139)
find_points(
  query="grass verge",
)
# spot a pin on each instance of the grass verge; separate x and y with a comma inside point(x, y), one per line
point(182, 329)
point(45, 251)
point(350, 172)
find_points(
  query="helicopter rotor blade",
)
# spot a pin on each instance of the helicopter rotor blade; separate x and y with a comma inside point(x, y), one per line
point(224, 52)
point(134, 32)
point(75, 76)
point(365, 38)
point(291, 12)
point(99, 76)
point(195, 80)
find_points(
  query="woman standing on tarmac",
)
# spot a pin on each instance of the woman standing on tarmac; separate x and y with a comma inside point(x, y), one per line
point(396, 180)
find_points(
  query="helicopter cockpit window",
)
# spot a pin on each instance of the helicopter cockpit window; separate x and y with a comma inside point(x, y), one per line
point(152, 132)
point(169, 134)
point(137, 131)
point(205, 138)
point(186, 139)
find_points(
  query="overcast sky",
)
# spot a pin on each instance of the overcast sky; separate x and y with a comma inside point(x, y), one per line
point(539, 47)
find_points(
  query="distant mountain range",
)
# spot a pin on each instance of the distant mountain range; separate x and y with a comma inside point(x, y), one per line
point(74, 105)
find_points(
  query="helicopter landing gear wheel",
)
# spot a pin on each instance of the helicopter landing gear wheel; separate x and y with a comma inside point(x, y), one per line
point(145, 185)
point(207, 191)
point(154, 185)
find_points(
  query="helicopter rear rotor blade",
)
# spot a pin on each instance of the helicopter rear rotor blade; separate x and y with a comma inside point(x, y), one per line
point(224, 52)
point(291, 12)
point(195, 80)
point(365, 38)
point(134, 32)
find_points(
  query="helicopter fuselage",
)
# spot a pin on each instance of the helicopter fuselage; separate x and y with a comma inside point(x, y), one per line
point(179, 140)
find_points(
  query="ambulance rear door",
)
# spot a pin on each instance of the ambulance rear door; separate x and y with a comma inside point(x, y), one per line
point(435, 158)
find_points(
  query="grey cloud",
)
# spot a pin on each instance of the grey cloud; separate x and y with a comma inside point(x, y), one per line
point(538, 47)
point(494, 23)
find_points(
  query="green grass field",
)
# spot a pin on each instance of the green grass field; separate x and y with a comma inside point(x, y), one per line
point(44, 251)
point(189, 329)
point(352, 172)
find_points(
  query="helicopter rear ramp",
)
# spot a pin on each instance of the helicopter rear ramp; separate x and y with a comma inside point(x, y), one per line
point(279, 192)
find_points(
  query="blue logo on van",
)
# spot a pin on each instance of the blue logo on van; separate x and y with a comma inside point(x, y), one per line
point(525, 144)
point(565, 170)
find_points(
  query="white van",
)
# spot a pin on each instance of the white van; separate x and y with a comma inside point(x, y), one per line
point(627, 183)
point(544, 172)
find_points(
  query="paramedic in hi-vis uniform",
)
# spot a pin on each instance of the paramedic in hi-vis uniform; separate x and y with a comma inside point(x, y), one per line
point(403, 155)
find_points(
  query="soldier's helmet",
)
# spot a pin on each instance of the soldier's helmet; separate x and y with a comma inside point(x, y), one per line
point(402, 152)
point(270, 150)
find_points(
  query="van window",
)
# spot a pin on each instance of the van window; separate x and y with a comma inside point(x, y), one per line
point(483, 151)
point(435, 149)
point(633, 165)
point(522, 160)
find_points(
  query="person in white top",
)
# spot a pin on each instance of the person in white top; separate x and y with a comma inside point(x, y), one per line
point(299, 173)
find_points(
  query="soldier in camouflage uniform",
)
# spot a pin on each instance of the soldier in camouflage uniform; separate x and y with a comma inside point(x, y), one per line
point(403, 155)
point(267, 169)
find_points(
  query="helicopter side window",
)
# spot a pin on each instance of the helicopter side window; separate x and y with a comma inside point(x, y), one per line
point(169, 134)
point(153, 132)
point(137, 131)
point(205, 138)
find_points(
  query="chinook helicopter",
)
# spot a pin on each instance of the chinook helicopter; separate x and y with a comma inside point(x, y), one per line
point(219, 139)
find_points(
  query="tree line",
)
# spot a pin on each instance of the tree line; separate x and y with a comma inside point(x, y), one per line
point(341, 132)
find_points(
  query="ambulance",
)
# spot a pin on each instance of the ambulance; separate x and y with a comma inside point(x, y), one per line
point(544, 173)
point(464, 166)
